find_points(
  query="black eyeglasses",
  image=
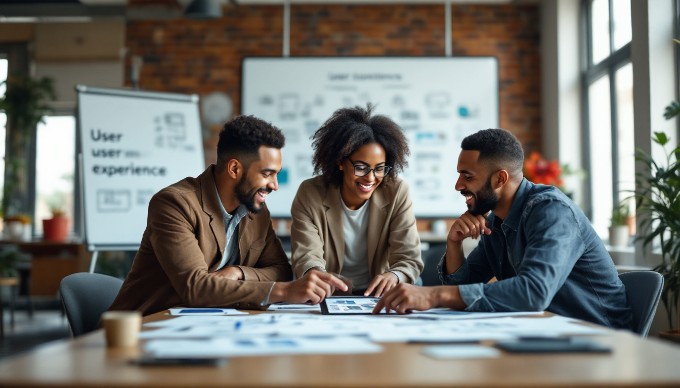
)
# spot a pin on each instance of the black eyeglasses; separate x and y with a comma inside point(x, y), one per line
point(362, 170)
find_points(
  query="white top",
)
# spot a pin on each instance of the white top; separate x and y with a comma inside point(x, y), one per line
point(355, 263)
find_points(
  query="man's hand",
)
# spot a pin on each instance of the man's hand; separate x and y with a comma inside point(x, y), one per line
point(231, 272)
point(382, 283)
point(468, 225)
point(311, 288)
point(404, 298)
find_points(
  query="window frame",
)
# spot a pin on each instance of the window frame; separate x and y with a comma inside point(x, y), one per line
point(590, 73)
point(19, 61)
point(76, 224)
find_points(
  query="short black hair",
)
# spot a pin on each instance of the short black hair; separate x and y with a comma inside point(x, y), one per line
point(241, 138)
point(498, 147)
point(347, 130)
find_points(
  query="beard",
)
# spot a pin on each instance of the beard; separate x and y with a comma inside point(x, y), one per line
point(485, 199)
point(246, 195)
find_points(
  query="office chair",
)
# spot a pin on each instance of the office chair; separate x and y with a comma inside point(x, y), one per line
point(85, 297)
point(431, 257)
point(643, 289)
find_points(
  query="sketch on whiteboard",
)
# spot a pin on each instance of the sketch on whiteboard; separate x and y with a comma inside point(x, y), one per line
point(113, 200)
point(436, 101)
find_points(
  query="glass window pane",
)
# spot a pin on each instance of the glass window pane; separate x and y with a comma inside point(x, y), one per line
point(3, 75)
point(55, 168)
point(3, 122)
point(625, 132)
point(622, 23)
point(600, 154)
point(600, 28)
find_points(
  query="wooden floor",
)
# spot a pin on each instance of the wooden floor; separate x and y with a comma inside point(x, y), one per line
point(47, 324)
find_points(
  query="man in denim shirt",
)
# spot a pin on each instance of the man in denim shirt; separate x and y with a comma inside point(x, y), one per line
point(534, 240)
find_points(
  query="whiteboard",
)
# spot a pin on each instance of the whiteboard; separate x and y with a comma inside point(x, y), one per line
point(437, 101)
point(132, 144)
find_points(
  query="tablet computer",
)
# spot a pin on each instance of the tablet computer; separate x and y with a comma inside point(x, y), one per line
point(348, 305)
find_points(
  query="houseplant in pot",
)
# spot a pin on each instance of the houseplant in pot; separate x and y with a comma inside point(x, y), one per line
point(658, 207)
point(619, 231)
point(17, 227)
point(56, 228)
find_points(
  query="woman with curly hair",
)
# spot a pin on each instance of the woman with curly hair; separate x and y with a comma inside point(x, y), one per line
point(356, 217)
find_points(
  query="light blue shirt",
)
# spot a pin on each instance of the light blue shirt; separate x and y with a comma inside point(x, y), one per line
point(561, 264)
point(231, 252)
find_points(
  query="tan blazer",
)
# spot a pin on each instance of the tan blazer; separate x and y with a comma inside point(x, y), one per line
point(183, 243)
point(317, 236)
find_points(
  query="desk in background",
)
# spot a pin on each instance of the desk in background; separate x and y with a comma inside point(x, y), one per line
point(50, 262)
point(87, 362)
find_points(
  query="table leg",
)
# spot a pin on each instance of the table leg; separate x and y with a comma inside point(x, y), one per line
point(14, 290)
point(2, 317)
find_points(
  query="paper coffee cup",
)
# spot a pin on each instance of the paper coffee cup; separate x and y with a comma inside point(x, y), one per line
point(122, 328)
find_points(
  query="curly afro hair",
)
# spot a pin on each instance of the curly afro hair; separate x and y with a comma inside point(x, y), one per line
point(347, 130)
point(241, 138)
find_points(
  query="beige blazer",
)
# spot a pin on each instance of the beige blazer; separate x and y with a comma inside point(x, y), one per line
point(183, 243)
point(317, 236)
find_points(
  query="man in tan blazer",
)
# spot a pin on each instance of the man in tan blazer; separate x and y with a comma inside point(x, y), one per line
point(209, 240)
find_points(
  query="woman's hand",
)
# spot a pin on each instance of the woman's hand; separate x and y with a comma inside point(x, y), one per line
point(381, 284)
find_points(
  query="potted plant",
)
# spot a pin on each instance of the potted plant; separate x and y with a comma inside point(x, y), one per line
point(658, 207)
point(26, 103)
point(56, 228)
point(18, 227)
point(618, 229)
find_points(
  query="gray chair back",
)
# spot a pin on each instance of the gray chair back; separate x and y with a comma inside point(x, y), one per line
point(431, 257)
point(85, 297)
point(643, 289)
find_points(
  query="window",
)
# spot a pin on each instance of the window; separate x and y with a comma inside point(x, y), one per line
point(608, 110)
point(3, 121)
point(54, 168)
point(50, 164)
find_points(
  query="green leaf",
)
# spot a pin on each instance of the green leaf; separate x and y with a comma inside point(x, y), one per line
point(672, 110)
point(657, 198)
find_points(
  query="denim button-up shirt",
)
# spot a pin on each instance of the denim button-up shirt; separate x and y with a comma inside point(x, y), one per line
point(561, 264)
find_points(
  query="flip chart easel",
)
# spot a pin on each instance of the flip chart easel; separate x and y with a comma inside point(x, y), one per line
point(131, 144)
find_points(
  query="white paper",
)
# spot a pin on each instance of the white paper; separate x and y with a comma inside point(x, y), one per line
point(292, 307)
point(397, 328)
point(444, 313)
point(460, 351)
point(204, 311)
point(259, 346)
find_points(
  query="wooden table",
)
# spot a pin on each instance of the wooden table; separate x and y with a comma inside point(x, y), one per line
point(87, 362)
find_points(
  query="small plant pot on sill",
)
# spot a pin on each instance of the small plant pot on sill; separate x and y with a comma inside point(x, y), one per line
point(55, 229)
point(619, 235)
point(17, 231)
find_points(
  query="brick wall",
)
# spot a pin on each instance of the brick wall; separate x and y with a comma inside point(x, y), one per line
point(202, 56)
